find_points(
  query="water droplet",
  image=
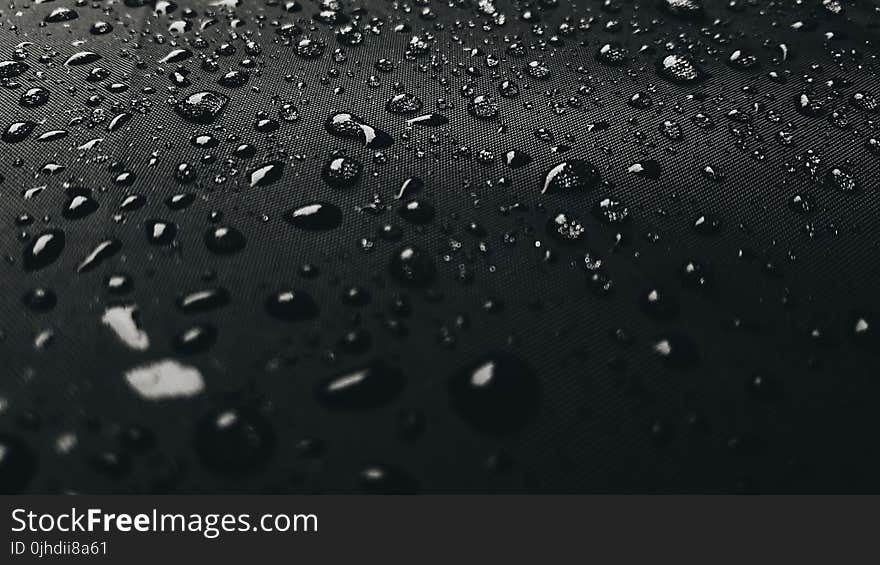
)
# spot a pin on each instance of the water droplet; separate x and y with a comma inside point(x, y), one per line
point(841, 180)
point(659, 304)
point(315, 216)
point(203, 300)
point(417, 212)
point(680, 69)
point(195, 339)
point(429, 120)
point(79, 203)
point(611, 211)
point(81, 58)
point(100, 253)
point(743, 60)
point(648, 168)
point(61, 14)
point(118, 122)
point(483, 107)
point(347, 125)
point(565, 229)
point(176, 56)
point(100, 28)
point(677, 351)
point(40, 299)
point(291, 306)
point(387, 479)
point(224, 240)
point(497, 394)
point(17, 132)
point(234, 79)
point(516, 159)
point(160, 232)
point(124, 321)
point(572, 175)
point(289, 113)
point(341, 172)
point(34, 97)
point(364, 388)
point(684, 9)
point(267, 173)
point(410, 187)
point(201, 107)
point(12, 69)
point(612, 54)
point(43, 250)
point(412, 266)
point(234, 441)
point(807, 105)
point(508, 89)
point(402, 104)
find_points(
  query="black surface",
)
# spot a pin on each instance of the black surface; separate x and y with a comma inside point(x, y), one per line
point(777, 390)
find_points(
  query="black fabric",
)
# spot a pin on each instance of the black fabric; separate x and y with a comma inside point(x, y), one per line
point(772, 382)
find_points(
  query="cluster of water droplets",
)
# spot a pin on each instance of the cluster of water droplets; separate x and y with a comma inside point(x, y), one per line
point(214, 130)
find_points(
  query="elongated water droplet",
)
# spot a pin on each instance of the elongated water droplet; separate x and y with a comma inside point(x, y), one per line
point(266, 174)
point(315, 216)
point(364, 388)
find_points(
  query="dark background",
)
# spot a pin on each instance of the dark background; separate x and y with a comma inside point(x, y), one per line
point(612, 417)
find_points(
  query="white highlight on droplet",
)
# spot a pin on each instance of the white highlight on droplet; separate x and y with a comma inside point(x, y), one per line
point(66, 442)
point(122, 320)
point(165, 379)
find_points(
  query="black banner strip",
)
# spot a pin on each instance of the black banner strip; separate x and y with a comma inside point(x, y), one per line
point(428, 529)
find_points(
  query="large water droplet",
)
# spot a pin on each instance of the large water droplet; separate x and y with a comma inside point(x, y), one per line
point(266, 174)
point(680, 69)
point(81, 58)
point(79, 203)
point(404, 104)
point(176, 56)
point(17, 132)
point(34, 97)
point(165, 379)
point(483, 107)
point(61, 14)
point(10, 69)
point(341, 172)
point(201, 107)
